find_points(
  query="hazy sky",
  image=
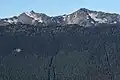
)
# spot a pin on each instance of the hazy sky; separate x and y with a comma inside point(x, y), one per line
point(55, 7)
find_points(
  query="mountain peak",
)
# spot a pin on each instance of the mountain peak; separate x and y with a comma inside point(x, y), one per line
point(33, 12)
point(83, 9)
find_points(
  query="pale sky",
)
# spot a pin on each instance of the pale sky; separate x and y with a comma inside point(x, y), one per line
point(55, 7)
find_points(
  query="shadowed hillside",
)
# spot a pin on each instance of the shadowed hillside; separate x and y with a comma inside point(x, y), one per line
point(69, 52)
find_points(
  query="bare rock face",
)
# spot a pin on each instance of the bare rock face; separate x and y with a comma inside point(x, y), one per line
point(85, 17)
point(25, 19)
point(82, 17)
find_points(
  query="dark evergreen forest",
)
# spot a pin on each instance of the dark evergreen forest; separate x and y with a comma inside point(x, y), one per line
point(54, 52)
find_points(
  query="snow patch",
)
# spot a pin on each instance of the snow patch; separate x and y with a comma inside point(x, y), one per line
point(17, 50)
point(92, 22)
point(11, 21)
point(40, 20)
point(87, 17)
point(99, 20)
point(68, 16)
point(58, 21)
point(64, 17)
point(34, 16)
point(114, 22)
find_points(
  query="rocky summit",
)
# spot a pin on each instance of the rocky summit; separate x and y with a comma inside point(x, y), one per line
point(82, 17)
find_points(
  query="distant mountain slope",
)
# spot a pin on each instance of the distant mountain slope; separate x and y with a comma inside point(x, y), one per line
point(82, 17)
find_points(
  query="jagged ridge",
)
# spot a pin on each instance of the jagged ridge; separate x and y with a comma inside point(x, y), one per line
point(82, 17)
